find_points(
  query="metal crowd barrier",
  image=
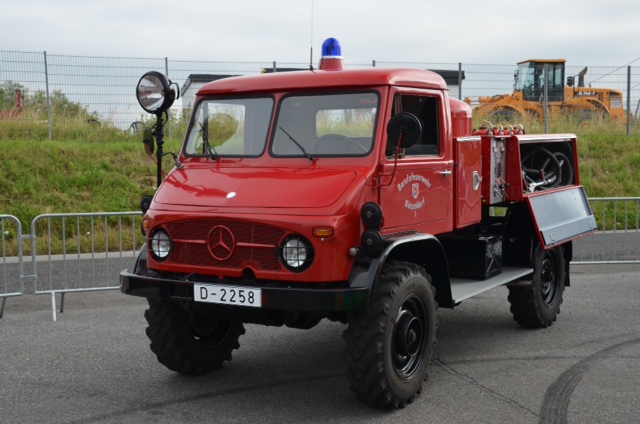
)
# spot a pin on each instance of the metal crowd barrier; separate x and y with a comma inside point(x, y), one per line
point(80, 268)
point(96, 246)
point(11, 283)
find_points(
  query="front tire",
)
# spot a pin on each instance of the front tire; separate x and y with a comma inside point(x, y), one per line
point(190, 342)
point(390, 345)
point(537, 305)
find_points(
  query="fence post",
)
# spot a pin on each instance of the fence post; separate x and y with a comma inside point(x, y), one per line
point(459, 80)
point(546, 98)
point(629, 100)
point(166, 72)
point(46, 82)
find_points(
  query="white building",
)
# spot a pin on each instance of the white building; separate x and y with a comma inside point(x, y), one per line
point(193, 84)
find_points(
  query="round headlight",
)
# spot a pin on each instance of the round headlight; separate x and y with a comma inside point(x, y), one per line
point(161, 245)
point(154, 92)
point(297, 253)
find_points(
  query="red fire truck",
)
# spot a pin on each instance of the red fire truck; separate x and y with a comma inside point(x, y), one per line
point(360, 196)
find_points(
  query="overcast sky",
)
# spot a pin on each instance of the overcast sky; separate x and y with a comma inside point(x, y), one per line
point(585, 32)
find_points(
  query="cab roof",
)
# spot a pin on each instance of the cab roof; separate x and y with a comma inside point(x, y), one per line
point(317, 79)
point(543, 61)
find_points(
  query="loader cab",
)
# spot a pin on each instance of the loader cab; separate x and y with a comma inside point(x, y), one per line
point(532, 75)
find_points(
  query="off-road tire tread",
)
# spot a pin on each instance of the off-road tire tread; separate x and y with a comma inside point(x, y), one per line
point(365, 338)
point(174, 345)
point(525, 305)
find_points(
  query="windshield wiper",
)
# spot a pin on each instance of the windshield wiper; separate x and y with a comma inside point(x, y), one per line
point(205, 140)
point(299, 145)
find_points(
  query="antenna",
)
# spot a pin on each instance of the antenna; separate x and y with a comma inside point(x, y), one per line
point(311, 41)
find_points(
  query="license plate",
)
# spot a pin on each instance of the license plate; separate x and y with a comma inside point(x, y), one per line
point(228, 295)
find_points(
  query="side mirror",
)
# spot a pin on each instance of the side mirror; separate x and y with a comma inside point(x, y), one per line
point(403, 130)
point(154, 93)
point(147, 139)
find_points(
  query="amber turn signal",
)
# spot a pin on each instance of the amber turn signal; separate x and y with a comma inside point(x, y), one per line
point(322, 232)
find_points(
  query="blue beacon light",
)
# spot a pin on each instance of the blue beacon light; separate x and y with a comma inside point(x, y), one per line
point(331, 48)
point(331, 59)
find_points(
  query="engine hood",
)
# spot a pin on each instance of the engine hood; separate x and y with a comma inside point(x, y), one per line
point(254, 187)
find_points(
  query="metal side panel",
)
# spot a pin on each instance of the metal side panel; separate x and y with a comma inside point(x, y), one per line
point(561, 216)
point(462, 288)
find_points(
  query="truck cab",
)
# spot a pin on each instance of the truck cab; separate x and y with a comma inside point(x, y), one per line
point(360, 196)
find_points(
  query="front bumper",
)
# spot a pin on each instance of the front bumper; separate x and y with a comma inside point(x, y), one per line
point(273, 298)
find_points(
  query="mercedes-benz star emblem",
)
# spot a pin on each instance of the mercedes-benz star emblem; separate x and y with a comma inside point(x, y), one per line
point(221, 242)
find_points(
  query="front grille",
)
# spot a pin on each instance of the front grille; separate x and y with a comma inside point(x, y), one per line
point(242, 244)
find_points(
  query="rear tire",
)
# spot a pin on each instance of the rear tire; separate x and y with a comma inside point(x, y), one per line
point(188, 342)
point(537, 305)
point(390, 345)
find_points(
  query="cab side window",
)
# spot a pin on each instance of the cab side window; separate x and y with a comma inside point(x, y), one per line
point(426, 109)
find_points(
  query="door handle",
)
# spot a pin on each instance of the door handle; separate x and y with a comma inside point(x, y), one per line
point(445, 173)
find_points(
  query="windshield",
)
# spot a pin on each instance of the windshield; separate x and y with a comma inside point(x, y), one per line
point(325, 125)
point(531, 81)
point(526, 76)
point(230, 127)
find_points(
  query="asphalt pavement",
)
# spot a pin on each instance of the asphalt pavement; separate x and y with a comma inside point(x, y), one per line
point(94, 365)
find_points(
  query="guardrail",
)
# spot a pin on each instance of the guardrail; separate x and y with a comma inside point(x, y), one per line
point(96, 246)
point(617, 240)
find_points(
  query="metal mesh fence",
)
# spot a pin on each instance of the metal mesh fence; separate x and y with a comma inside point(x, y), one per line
point(67, 97)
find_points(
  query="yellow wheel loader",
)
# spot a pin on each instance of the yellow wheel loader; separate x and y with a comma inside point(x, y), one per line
point(528, 97)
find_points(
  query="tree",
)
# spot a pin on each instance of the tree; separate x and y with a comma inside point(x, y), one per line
point(8, 94)
point(36, 103)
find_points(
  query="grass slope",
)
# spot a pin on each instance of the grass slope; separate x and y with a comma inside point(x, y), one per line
point(40, 177)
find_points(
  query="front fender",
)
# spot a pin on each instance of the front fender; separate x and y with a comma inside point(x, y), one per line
point(140, 267)
point(422, 249)
point(599, 106)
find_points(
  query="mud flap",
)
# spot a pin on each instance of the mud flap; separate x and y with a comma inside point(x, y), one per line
point(560, 216)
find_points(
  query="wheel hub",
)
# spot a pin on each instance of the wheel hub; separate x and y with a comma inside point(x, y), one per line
point(408, 334)
point(548, 281)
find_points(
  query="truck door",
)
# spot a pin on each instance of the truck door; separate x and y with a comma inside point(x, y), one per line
point(418, 194)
